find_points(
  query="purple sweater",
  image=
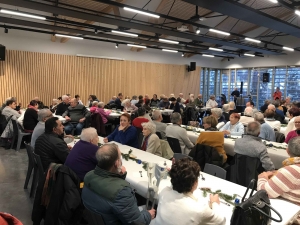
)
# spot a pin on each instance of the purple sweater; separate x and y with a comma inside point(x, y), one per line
point(82, 158)
point(291, 135)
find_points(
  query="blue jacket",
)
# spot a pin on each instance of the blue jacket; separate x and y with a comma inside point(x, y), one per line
point(238, 129)
point(109, 195)
point(127, 137)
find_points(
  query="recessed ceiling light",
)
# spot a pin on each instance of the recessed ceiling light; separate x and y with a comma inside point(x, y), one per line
point(216, 49)
point(168, 41)
point(219, 32)
point(288, 49)
point(211, 56)
point(137, 46)
point(274, 1)
point(141, 12)
point(168, 50)
point(68, 36)
point(297, 12)
point(247, 54)
point(15, 13)
point(252, 40)
point(124, 33)
point(198, 31)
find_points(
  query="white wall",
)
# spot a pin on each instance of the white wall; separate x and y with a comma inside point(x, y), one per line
point(36, 42)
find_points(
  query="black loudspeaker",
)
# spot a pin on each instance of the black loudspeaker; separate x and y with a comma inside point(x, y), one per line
point(266, 77)
point(2, 53)
point(241, 90)
point(192, 66)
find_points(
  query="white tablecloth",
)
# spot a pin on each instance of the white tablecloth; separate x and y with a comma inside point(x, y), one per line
point(276, 155)
point(140, 184)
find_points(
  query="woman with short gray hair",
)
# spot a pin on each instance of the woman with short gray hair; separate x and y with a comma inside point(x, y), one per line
point(151, 142)
point(217, 113)
point(104, 114)
point(128, 107)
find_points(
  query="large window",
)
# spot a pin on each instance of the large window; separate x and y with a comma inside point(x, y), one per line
point(293, 83)
point(225, 82)
point(242, 76)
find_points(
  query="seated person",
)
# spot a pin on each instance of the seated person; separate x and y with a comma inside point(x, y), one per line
point(232, 108)
point(217, 113)
point(106, 192)
point(146, 105)
point(124, 133)
point(151, 142)
point(134, 100)
point(265, 106)
point(176, 131)
point(251, 104)
point(198, 101)
point(226, 112)
point(137, 122)
point(129, 107)
point(164, 103)
point(285, 181)
point(213, 139)
point(294, 133)
point(76, 114)
point(269, 119)
point(266, 131)
point(63, 106)
point(160, 127)
point(94, 106)
point(278, 114)
point(39, 129)
point(104, 113)
point(50, 146)
point(211, 103)
point(140, 103)
point(251, 145)
point(233, 127)
point(293, 113)
point(178, 204)
point(82, 158)
point(248, 116)
point(174, 105)
point(154, 101)
point(31, 116)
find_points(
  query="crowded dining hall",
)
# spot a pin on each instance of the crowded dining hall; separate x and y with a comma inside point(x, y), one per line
point(149, 112)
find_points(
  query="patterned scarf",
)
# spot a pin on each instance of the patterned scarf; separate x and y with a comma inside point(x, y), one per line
point(291, 161)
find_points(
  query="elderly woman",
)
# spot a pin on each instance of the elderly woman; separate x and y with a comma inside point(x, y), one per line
point(293, 113)
point(217, 113)
point(213, 139)
point(226, 112)
point(124, 133)
point(210, 123)
point(151, 142)
point(294, 133)
point(31, 116)
point(9, 111)
point(180, 204)
point(128, 107)
point(211, 103)
point(269, 119)
point(233, 127)
point(104, 114)
point(94, 106)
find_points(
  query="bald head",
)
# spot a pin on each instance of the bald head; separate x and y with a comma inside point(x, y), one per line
point(108, 156)
point(248, 111)
point(272, 107)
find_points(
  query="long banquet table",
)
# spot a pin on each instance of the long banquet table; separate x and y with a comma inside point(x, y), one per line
point(277, 155)
point(287, 209)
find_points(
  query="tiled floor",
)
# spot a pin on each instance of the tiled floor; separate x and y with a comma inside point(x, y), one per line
point(13, 198)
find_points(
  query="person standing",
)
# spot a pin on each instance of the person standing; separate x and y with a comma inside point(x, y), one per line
point(235, 95)
point(277, 94)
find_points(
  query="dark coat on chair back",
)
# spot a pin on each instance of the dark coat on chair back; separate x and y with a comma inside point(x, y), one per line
point(206, 154)
point(97, 123)
point(65, 206)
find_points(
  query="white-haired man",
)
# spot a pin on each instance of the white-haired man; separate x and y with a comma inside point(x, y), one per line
point(211, 103)
point(63, 106)
point(248, 116)
point(160, 127)
point(182, 100)
point(82, 158)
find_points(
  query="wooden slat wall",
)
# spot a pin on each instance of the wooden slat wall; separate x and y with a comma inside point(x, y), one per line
point(29, 74)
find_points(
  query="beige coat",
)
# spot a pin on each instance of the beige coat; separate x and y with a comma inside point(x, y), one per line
point(153, 145)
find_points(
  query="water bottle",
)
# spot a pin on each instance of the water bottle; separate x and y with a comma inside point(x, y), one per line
point(236, 201)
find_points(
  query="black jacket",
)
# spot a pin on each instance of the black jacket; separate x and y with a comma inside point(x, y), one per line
point(61, 108)
point(65, 206)
point(206, 154)
point(30, 119)
point(51, 148)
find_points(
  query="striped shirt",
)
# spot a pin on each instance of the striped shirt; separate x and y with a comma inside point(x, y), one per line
point(285, 183)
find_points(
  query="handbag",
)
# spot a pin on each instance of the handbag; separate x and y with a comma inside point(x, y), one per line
point(256, 210)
